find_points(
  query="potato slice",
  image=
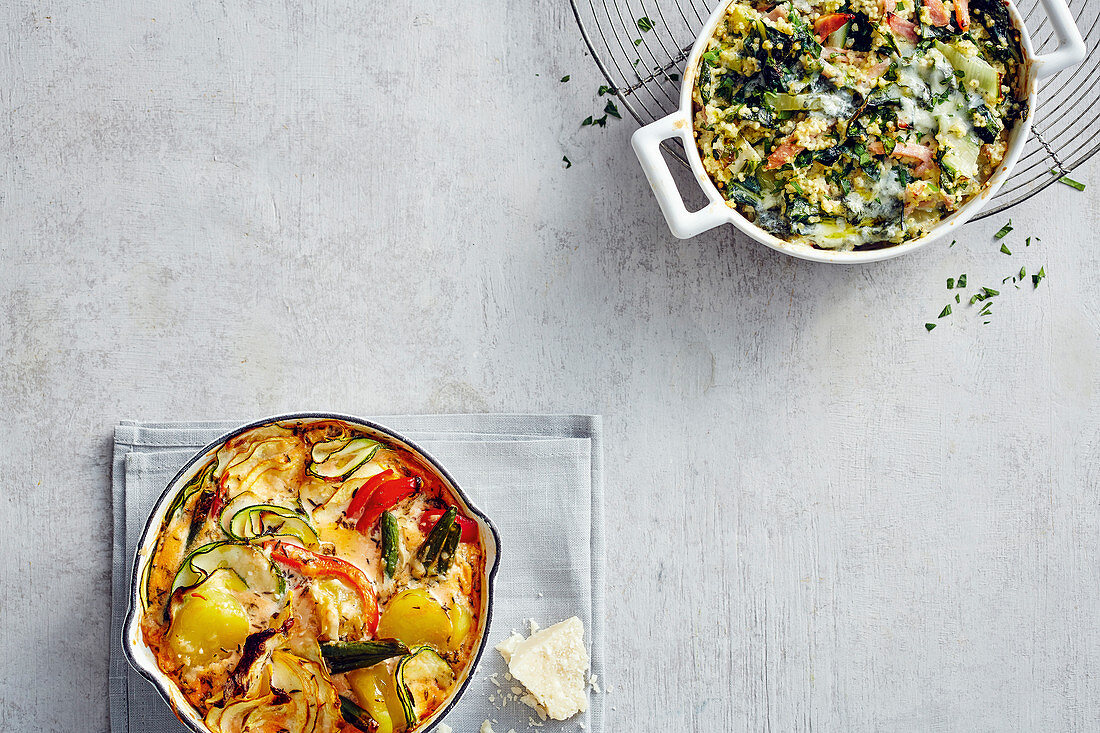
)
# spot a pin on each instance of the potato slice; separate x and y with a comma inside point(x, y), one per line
point(374, 688)
point(462, 620)
point(416, 618)
point(209, 621)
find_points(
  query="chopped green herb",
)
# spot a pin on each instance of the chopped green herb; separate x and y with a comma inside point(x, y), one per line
point(990, 292)
point(976, 297)
point(1023, 273)
point(674, 77)
point(601, 121)
point(566, 161)
point(929, 326)
point(612, 110)
point(958, 298)
point(1038, 277)
point(953, 241)
point(637, 41)
point(945, 312)
point(1003, 231)
point(962, 281)
point(565, 78)
point(985, 311)
point(1005, 249)
point(604, 89)
point(645, 25)
point(587, 121)
point(1027, 242)
point(950, 283)
point(1072, 183)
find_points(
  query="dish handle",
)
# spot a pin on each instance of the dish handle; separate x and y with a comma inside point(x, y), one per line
point(647, 145)
point(1071, 47)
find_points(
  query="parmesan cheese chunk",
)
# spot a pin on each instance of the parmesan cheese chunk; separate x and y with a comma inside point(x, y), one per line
point(552, 664)
point(486, 728)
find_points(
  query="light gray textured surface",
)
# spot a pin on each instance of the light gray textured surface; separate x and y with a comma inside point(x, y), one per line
point(819, 515)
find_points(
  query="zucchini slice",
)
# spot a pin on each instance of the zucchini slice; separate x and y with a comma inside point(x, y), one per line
point(322, 449)
point(344, 656)
point(269, 520)
point(423, 678)
point(189, 489)
point(246, 560)
point(146, 581)
point(341, 462)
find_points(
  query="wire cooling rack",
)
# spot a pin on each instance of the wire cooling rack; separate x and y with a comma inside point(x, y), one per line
point(641, 46)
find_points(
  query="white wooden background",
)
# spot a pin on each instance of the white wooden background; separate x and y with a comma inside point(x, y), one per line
point(820, 516)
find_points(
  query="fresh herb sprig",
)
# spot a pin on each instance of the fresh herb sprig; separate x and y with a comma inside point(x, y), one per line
point(1069, 181)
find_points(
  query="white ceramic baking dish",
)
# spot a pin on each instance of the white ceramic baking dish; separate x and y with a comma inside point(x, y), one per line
point(141, 657)
point(683, 223)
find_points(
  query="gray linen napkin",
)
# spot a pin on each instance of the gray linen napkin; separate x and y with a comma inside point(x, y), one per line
point(538, 477)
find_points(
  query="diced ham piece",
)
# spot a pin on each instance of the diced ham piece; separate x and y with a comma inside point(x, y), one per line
point(962, 13)
point(937, 13)
point(880, 68)
point(913, 151)
point(783, 153)
point(777, 12)
point(903, 28)
point(872, 75)
point(923, 168)
point(921, 154)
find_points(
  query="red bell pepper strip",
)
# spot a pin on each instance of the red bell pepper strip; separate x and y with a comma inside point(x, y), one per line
point(826, 25)
point(314, 565)
point(384, 497)
point(429, 518)
point(363, 493)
